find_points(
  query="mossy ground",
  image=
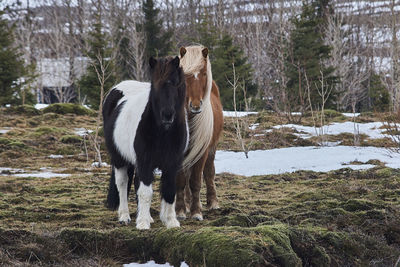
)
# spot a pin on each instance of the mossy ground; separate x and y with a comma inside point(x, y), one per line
point(339, 218)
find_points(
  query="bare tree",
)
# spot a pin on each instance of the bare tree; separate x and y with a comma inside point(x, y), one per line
point(241, 123)
point(350, 66)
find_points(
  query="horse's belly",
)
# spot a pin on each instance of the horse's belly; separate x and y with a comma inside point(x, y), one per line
point(136, 96)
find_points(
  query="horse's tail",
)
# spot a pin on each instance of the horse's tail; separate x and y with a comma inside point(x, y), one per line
point(113, 196)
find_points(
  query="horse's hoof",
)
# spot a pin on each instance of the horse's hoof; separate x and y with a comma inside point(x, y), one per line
point(181, 217)
point(213, 206)
point(172, 223)
point(124, 219)
point(142, 224)
point(197, 217)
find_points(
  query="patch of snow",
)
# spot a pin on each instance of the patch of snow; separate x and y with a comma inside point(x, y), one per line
point(237, 113)
point(351, 115)
point(320, 159)
point(56, 156)
point(254, 126)
point(41, 106)
point(153, 264)
point(97, 164)
point(5, 130)
point(82, 131)
point(42, 175)
point(370, 129)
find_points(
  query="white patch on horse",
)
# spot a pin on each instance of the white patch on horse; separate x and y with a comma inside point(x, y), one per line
point(168, 215)
point(196, 75)
point(136, 95)
point(145, 194)
point(121, 181)
point(187, 131)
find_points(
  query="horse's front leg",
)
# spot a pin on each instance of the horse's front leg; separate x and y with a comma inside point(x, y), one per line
point(168, 191)
point(180, 195)
point(195, 186)
point(121, 180)
point(144, 195)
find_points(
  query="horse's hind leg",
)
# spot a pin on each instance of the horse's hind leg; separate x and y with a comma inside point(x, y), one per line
point(122, 180)
point(209, 175)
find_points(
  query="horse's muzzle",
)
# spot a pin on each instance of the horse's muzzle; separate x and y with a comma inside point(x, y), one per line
point(167, 123)
point(195, 109)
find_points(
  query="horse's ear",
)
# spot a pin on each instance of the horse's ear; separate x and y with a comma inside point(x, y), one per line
point(182, 51)
point(152, 62)
point(205, 52)
point(175, 62)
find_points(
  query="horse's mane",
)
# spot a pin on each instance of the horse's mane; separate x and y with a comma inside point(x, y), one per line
point(201, 125)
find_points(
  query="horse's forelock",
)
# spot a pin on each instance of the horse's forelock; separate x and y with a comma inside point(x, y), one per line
point(164, 70)
point(193, 60)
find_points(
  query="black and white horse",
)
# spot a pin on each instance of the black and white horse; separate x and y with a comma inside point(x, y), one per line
point(145, 128)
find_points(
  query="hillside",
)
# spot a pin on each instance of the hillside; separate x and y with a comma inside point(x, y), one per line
point(343, 217)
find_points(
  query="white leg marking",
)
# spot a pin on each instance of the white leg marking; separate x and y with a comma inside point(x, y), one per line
point(168, 215)
point(145, 194)
point(121, 180)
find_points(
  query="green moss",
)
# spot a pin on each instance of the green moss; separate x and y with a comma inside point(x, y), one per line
point(5, 141)
point(24, 110)
point(71, 139)
point(47, 130)
point(17, 144)
point(357, 205)
point(68, 108)
point(385, 172)
point(50, 116)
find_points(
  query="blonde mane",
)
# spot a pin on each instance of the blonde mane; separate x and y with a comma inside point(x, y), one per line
point(201, 125)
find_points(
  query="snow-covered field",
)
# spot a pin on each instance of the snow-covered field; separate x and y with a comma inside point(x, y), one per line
point(372, 129)
point(152, 264)
point(320, 159)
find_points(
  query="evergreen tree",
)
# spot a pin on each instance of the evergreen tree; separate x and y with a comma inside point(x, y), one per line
point(158, 41)
point(11, 66)
point(305, 59)
point(100, 57)
point(207, 33)
point(124, 65)
point(226, 53)
point(378, 99)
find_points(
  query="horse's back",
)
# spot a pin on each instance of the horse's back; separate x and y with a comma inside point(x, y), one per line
point(125, 115)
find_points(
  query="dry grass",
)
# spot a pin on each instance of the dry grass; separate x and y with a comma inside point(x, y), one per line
point(339, 218)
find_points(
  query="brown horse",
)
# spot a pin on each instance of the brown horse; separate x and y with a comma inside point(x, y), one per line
point(205, 126)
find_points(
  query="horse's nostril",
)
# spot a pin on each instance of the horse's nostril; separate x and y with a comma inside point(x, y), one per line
point(190, 104)
point(201, 102)
point(167, 116)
